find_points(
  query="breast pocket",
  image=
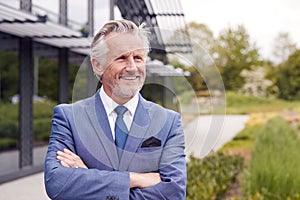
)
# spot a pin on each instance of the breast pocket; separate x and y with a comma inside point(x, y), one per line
point(147, 159)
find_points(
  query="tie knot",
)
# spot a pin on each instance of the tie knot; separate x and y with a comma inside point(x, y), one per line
point(120, 110)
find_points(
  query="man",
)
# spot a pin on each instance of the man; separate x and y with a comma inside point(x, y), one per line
point(97, 153)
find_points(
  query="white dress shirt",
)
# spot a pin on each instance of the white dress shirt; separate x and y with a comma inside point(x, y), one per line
point(110, 105)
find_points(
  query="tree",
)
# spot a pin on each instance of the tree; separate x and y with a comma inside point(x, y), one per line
point(235, 53)
point(288, 79)
point(202, 36)
point(283, 47)
point(200, 60)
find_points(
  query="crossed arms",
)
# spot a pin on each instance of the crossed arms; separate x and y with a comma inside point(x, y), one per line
point(137, 180)
point(68, 177)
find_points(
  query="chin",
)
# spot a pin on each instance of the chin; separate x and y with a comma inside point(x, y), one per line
point(125, 92)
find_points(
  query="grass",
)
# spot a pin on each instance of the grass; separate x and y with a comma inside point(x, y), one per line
point(238, 104)
point(274, 170)
point(245, 104)
point(243, 139)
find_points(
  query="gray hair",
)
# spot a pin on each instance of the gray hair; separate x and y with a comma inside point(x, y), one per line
point(118, 26)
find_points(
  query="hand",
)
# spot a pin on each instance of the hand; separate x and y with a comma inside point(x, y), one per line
point(143, 180)
point(69, 159)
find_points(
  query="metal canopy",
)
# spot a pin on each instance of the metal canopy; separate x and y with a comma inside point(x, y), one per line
point(158, 68)
point(167, 15)
point(15, 23)
point(168, 19)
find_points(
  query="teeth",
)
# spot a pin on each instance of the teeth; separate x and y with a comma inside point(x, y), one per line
point(129, 77)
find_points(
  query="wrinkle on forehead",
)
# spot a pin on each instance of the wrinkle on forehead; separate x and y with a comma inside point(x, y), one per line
point(118, 44)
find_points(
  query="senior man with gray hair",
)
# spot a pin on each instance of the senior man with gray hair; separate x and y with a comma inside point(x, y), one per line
point(116, 144)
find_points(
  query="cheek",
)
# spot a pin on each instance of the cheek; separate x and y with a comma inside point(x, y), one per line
point(111, 73)
point(142, 68)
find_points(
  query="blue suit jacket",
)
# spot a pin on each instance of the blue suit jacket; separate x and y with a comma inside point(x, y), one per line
point(155, 144)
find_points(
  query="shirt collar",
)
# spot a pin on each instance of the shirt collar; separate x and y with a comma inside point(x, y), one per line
point(110, 104)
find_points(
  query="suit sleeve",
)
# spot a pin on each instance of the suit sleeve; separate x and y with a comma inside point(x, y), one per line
point(172, 169)
point(70, 183)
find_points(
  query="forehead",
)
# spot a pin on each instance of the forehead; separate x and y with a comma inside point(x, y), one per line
point(122, 43)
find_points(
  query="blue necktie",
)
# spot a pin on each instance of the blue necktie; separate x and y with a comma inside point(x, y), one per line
point(121, 130)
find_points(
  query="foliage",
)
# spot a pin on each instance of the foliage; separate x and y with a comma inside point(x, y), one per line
point(9, 74)
point(288, 79)
point(201, 35)
point(274, 168)
point(235, 53)
point(196, 80)
point(7, 143)
point(212, 176)
point(9, 128)
point(48, 79)
point(284, 46)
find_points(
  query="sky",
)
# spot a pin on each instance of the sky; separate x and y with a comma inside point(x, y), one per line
point(263, 19)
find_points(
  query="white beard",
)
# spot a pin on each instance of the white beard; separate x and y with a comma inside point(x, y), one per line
point(125, 91)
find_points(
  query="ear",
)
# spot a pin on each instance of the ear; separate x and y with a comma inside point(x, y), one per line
point(97, 68)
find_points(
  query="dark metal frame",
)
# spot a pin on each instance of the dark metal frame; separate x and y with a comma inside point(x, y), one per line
point(26, 107)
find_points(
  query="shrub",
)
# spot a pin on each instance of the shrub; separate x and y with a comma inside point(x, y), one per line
point(274, 168)
point(212, 176)
point(7, 143)
point(9, 129)
point(42, 129)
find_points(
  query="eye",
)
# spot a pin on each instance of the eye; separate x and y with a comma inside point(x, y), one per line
point(121, 58)
point(138, 58)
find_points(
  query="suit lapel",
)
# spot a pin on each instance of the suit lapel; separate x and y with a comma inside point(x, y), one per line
point(136, 135)
point(98, 118)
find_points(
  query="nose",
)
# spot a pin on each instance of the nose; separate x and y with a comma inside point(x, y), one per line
point(131, 65)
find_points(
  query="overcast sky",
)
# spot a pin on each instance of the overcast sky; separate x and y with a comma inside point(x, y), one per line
point(263, 19)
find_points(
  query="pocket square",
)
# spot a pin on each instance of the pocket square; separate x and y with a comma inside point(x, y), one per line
point(151, 142)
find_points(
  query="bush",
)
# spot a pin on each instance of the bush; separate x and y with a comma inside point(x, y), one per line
point(274, 168)
point(9, 129)
point(7, 143)
point(42, 129)
point(212, 176)
point(9, 118)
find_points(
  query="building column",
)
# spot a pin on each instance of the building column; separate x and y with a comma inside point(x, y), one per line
point(26, 5)
point(90, 24)
point(63, 12)
point(63, 76)
point(26, 105)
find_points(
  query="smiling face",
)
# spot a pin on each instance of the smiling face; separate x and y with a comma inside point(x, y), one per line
point(124, 71)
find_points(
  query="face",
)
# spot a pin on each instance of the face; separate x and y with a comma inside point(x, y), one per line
point(124, 71)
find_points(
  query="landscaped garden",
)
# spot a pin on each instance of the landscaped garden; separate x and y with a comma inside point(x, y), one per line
point(261, 162)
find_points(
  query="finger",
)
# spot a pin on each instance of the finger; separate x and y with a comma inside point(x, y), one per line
point(72, 155)
point(67, 151)
point(64, 155)
point(64, 164)
point(67, 161)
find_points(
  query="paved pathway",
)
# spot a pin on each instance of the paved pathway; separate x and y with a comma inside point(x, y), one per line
point(200, 136)
point(210, 132)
